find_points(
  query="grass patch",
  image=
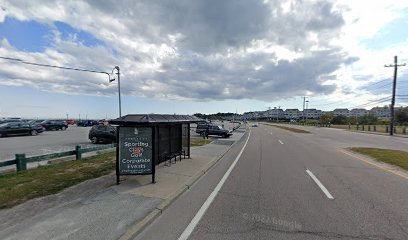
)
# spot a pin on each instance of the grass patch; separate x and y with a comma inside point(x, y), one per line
point(394, 157)
point(295, 130)
point(195, 142)
point(16, 188)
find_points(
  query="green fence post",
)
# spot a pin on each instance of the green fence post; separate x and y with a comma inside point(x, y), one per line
point(369, 128)
point(78, 153)
point(395, 129)
point(21, 164)
point(404, 130)
point(386, 129)
point(375, 128)
point(357, 127)
point(362, 128)
point(349, 126)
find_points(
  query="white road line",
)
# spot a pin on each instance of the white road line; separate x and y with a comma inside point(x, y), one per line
point(187, 232)
point(280, 142)
point(322, 187)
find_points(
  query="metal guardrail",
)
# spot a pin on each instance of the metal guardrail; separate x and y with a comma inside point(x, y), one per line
point(21, 160)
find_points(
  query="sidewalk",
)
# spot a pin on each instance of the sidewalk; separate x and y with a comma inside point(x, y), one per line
point(99, 209)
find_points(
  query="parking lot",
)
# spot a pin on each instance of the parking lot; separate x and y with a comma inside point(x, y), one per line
point(59, 141)
point(44, 143)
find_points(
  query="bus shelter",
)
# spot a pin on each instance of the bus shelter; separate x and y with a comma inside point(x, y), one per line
point(146, 140)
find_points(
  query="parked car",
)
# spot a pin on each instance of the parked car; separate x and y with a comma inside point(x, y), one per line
point(213, 130)
point(36, 121)
point(54, 125)
point(18, 128)
point(102, 121)
point(255, 125)
point(70, 122)
point(86, 123)
point(102, 133)
point(202, 122)
point(7, 120)
point(38, 127)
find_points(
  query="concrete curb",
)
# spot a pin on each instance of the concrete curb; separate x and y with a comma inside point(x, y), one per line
point(386, 167)
point(134, 230)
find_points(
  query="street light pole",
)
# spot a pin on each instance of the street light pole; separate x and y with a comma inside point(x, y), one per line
point(120, 101)
point(111, 80)
point(303, 112)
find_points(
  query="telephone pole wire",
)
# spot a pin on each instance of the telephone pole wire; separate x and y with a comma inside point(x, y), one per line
point(394, 87)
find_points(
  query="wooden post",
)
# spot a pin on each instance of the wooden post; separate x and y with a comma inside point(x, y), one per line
point(21, 164)
point(78, 153)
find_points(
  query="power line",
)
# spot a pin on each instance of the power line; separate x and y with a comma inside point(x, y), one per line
point(375, 83)
point(75, 69)
point(380, 100)
point(382, 86)
point(53, 66)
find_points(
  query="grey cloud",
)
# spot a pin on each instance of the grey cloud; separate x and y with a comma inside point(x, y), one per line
point(209, 59)
point(282, 80)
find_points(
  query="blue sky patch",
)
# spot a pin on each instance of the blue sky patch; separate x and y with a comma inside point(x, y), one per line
point(393, 33)
point(18, 32)
point(68, 33)
point(32, 36)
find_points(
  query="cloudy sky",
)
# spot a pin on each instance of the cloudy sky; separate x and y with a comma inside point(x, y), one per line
point(183, 56)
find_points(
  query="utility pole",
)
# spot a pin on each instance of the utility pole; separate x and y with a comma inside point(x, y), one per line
point(394, 87)
point(307, 103)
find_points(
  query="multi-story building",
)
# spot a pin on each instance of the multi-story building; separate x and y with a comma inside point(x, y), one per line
point(275, 113)
point(381, 112)
point(292, 113)
point(295, 114)
point(341, 112)
point(358, 112)
point(312, 113)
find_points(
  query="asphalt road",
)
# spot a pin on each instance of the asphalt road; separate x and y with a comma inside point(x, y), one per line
point(293, 186)
point(44, 143)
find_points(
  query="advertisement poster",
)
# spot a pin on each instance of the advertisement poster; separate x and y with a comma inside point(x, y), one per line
point(135, 150)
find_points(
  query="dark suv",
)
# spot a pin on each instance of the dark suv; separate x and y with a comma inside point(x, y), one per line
point(213, 130)
point(19, 128)
point(54, 125)
point(102, 133)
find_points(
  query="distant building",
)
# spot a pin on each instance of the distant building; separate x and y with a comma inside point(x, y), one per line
point(312, 113)
point(341, 112)
point(275, 113)
point(381, 112)
point(358, 112)
point(292, 113)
